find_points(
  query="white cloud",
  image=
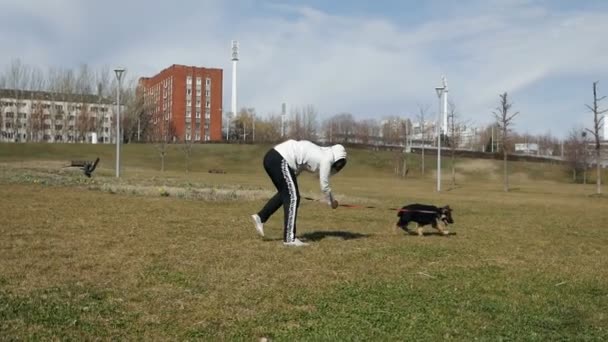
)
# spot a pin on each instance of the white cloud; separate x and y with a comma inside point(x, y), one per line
point(367, 65)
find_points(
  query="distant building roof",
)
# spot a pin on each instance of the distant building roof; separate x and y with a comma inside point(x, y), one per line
point(51, 96)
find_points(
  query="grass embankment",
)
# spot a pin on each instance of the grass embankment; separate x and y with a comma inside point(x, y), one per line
point(113, 264)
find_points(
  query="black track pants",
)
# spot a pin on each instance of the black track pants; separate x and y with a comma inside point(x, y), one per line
point(288, 195)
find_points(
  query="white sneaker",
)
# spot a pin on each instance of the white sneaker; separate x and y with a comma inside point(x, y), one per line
point(295, 243)
point(259, 226)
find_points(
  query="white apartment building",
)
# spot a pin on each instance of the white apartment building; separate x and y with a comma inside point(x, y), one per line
point(38, 116)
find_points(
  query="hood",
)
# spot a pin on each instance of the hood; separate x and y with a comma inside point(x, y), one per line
point(338, 152)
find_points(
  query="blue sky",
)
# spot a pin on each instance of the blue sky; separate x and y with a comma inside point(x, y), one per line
point(371, 58)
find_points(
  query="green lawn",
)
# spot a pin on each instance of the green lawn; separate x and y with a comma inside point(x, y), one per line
point(173, 256)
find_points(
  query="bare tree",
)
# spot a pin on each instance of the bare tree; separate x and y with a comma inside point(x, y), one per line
point(309, 122)
point(243, 124)
point(268, 129)
point(343, 128)
point(135, 114)
point(367, 131)
point(455, 126)
point(65, 91)
point(576, 154)
point(504, 120)
point(187, 145)
point(3, 104)
point(17, 80)
point(422, 109)
point(303, 123)
point(35, 130)
point(406, 128)
point(102, 84)
point(598, 120)
point(162, 134)
point(37, 119)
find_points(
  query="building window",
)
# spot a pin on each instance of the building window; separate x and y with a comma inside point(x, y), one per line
point(189, 103)
point(199, 81)
point(207, 93)
point(198, 113)
point(198, 92)
point(189, 80)
point(187, 136)
point(207, 104)
point(198, 103)
point(208, 82)
point(188, 91)
point(198, 137)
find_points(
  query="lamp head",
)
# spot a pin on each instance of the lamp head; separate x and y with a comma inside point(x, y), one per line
point(119, 73)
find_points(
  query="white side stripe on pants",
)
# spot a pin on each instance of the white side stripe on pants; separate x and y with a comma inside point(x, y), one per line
point(293, 201)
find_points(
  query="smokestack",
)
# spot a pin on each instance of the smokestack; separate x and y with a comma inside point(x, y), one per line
point(235, 59)
point(283, 113)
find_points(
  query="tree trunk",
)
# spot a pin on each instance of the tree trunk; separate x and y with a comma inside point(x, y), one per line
point(162, 161)
point(453, 170)
point(585, 175)
point(599, 170)
point(422, 159)
point(506, 174)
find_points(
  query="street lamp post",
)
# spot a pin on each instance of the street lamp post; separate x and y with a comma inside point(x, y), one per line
point(119, 73)
point(442, 95)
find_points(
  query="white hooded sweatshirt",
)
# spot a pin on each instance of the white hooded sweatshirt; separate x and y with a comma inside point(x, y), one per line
point(303, 155)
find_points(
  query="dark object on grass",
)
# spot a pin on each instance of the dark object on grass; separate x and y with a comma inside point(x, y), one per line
point(86, 166)
point(423, 215)
point(217, 171)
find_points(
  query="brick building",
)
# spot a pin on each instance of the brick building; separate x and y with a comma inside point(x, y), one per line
point(185, 103)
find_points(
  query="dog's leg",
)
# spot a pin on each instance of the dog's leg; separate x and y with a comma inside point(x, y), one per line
point(399, 226)
point(437, 224)
point(419, 229)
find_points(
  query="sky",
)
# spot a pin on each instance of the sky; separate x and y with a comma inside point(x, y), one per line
point(372, 59)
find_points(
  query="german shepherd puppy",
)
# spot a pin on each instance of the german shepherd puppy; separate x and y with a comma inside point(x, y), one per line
point(424, 215)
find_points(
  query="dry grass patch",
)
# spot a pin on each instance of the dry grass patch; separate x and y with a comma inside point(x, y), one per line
point(138, 267)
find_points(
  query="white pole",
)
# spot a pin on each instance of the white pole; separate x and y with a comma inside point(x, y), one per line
point(283, 113)
point(119, 72)
point(439, 144)
point(118, 135)
point(233, 107)
point(442, 110)
point(445, 106)
point(235, 58)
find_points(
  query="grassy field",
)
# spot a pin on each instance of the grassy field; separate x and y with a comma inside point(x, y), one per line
point(173, 255)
